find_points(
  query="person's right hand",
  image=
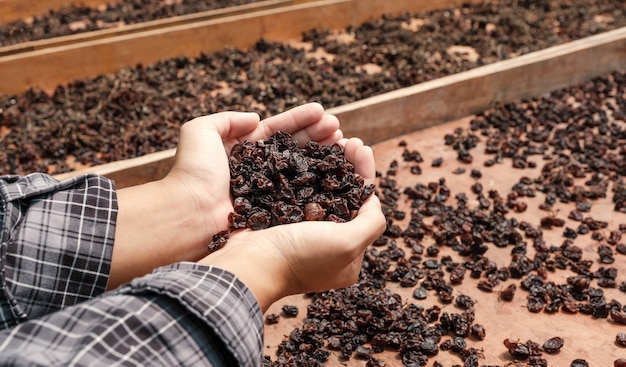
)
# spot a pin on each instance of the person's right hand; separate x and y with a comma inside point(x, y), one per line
point(307, 256)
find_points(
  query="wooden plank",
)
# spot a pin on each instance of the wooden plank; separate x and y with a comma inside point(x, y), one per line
point(11, 10)
point(131, 172)
point(143, 26)
point(47, 68)
point(444, 99)
point(432, 103)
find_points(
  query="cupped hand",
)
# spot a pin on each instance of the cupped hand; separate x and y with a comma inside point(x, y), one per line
point(306, 256)
point(174, 219)
point(201, 161)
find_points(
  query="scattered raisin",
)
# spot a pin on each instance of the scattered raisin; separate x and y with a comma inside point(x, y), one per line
point(290, 310)
point(272, 318)
point(553, 345)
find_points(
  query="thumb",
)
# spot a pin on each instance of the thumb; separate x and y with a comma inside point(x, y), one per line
point(201, 136)
point(367, 225)
point(232, 125)
point(228, 126)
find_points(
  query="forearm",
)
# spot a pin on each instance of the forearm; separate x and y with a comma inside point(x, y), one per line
point(158, 224)
point(183, 314)
point(254, 264)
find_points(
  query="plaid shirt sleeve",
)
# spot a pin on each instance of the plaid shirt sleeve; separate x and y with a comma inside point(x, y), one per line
point(56, 243)
point(55, 253)
point(181, 315)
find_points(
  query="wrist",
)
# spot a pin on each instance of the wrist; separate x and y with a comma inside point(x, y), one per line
point(207, 206)
point(157, 224)
point(259, 267)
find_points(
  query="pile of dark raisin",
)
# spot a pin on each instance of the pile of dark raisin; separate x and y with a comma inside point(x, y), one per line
point(582, 153)
point(275, 181)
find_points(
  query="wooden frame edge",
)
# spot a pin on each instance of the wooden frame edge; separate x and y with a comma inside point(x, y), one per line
point(466, 93)
point(48, 67)
point(402, 111)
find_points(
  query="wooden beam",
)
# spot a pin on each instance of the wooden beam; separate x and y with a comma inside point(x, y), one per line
point(12, 10)
point(143, 26)
point(46, 68)
point(452, 97)
point(445, 99)
point(131, 172)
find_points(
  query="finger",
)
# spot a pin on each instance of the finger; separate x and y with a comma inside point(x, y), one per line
point(370, 221)
point(199, 133)
point(320, 130)
point(362, 156)
point(294, 119)
point(364, 164)
point(333, 138)
point(350, 148)
point(232, 125)
point(304, 123)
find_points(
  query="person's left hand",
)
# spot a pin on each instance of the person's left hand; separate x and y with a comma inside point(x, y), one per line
point(201, 162)
point(174, 219)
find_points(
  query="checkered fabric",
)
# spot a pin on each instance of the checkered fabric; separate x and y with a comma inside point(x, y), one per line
point(57, 240)
point(56, 243)
point(181, 315)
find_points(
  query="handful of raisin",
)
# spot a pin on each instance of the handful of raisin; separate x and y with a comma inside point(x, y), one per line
point(274, 181)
